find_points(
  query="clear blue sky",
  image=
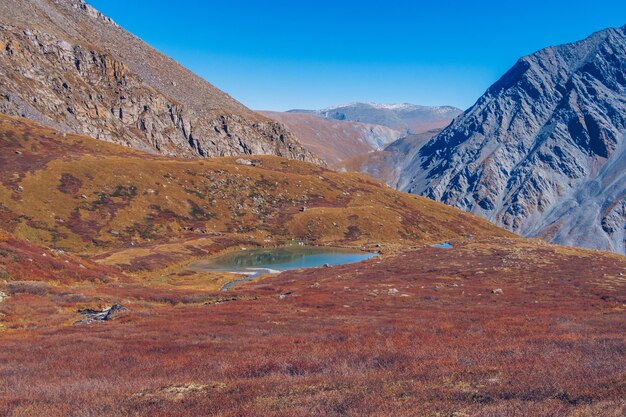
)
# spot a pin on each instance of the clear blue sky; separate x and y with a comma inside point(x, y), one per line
point(278, 55)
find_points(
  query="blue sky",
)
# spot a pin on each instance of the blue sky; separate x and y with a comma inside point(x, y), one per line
point(278, 55)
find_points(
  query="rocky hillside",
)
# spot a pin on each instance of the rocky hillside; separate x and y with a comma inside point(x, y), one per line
point(542, 152)
point(408, 118)
point(64, 64)
point(335, 140)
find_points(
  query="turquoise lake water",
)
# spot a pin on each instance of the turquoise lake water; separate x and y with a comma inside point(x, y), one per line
point(256, 262)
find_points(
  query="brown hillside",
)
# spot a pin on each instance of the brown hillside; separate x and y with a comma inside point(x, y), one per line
point(86, 196)
point(335, 140)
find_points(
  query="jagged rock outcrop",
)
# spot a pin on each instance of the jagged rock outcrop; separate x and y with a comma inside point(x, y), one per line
point(542, 152)
point(66, 65)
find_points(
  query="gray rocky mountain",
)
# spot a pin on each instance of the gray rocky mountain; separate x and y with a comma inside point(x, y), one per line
point(407, 118)
point(66, 65)
point(543, 151)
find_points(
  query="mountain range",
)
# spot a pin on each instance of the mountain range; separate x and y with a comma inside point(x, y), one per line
point(407, 118)
point(541, 153)
point(344, 132)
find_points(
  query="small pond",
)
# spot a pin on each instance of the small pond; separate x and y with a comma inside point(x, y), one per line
point(446, 245)
point(256, 262)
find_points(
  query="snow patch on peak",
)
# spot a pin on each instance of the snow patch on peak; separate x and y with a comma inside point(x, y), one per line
point(380, 106)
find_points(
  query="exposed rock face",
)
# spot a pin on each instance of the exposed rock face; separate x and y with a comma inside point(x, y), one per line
point(335, 140)
point(407, 118)
point(64, 64)
point(543, 151)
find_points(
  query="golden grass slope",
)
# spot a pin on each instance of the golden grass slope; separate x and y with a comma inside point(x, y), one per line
point(85, 196)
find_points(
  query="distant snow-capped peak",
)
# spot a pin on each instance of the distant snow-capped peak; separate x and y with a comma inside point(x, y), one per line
point(384, 106)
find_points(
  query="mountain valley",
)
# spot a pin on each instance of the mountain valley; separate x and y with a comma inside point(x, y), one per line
point(121, 171)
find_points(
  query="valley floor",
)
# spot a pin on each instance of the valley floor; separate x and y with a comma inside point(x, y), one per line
point(496, 327)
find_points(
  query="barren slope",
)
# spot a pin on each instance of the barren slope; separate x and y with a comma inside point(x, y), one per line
point(542, 151)
point(389, 164)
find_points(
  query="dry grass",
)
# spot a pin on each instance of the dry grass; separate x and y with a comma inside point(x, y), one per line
point(143, 212)
point(397, 336)
point(417, 332)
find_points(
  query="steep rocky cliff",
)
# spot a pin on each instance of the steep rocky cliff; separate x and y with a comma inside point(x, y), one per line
point(64, 64)
point(543, 151)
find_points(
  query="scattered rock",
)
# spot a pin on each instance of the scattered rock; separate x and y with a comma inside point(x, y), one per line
point(242, 161)
point(392, 291)
point(104, 315)
point(19, 189)
point(179, 392)
point(2, 296)
point(18, 152)
point(497, 291)
point(284, 295)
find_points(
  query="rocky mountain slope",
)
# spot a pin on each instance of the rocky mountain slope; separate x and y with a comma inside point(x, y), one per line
point(335, 140)
point(408, 118)
point(64, 64)
point(543, 151)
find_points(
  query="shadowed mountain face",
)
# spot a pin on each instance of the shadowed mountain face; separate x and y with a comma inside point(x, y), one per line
point(407, 118)
point(64, 64)
point(542, 152)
